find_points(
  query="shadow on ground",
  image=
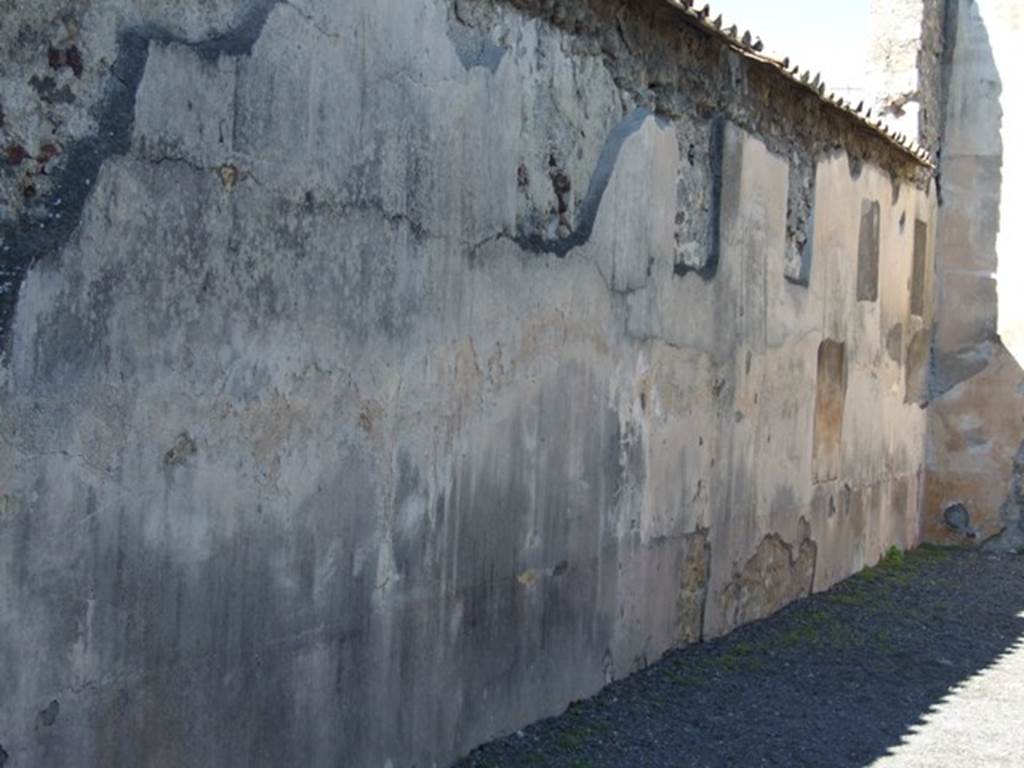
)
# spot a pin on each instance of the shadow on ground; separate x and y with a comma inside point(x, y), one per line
point(838, 679)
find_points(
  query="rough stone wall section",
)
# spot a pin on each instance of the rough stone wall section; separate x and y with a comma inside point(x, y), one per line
point(929, 64)
point(1012, 512)
point(976, 420)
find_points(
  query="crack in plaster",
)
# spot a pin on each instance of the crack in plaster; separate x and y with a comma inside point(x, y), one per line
point(311, 20)
point(42, 231)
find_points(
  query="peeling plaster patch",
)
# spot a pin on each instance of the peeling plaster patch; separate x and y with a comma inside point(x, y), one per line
point(528, 578)
point(776, 575)
point(47, 717)
point(693, 588)
point(16, 154)
point(474, 49)
point(48, 91)
point(70, 57)
point(183, 449)
point(1012, 511)
point(228, 176)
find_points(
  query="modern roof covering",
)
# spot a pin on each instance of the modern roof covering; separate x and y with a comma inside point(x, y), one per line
point(751, 47)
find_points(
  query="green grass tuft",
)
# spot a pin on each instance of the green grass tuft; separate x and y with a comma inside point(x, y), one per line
point(893, 559)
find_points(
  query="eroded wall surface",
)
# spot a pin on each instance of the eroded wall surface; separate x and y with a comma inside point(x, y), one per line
point(388, 375)
point(976, 428)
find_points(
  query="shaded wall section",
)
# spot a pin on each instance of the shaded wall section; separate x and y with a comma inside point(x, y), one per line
point(411, 369)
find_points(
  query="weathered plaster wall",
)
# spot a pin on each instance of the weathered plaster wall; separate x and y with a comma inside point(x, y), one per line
point(398, 372)
point(976, 423)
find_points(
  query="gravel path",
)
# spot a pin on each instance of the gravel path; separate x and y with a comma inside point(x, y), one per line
point(916, 662)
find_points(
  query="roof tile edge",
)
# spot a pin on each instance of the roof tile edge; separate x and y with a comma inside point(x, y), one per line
point(751, 47)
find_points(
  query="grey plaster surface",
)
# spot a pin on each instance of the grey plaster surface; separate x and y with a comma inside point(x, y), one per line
point(381, 375)
point(919, 662)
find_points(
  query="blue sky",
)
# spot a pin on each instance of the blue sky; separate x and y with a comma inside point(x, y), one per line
point(830, 36)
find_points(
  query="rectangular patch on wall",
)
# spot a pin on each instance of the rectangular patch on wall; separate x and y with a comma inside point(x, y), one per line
point(705, 262)
point(829, 404)
point(867, 251)
point(800, 225)
point(916, 373)
point(920, 261)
